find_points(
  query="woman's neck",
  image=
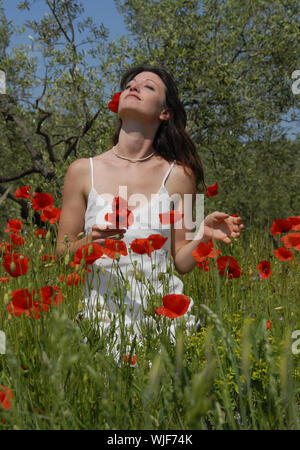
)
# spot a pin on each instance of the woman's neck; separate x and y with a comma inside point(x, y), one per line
point(134, 145)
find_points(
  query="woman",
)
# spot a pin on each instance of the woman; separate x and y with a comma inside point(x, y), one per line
point(152, 154)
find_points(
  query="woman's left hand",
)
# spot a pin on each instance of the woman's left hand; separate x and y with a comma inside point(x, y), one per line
point(222, 227)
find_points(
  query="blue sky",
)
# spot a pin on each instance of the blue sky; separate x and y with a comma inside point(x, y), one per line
point(104, 11)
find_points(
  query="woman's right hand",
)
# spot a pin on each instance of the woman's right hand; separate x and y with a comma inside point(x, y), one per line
point(103, 231)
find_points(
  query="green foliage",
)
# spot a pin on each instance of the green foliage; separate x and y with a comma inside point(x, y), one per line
point(232, 62)
point(233, 372)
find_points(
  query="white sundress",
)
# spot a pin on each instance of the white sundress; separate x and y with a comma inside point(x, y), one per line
point(99, 300)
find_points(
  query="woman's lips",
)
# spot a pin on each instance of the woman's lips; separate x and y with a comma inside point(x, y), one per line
point(132, 95)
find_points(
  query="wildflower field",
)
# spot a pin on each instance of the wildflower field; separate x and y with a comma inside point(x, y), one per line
point(240, 369)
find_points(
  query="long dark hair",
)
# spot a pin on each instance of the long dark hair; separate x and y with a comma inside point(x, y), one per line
point(171, 140)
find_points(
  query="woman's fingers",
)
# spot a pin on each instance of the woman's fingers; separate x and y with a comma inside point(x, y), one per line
point(104, 231)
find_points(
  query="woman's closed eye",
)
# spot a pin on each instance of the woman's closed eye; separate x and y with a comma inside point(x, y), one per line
point(147, 86)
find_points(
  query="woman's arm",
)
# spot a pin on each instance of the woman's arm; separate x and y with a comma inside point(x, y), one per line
point(73, 208)
point(218, 226)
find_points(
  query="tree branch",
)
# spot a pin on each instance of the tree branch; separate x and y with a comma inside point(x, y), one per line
point(46, 136)
point(58, 21)
point(38, 162)
point(18, 176)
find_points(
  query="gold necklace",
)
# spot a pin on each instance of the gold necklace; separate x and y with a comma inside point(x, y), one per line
point(132, 159)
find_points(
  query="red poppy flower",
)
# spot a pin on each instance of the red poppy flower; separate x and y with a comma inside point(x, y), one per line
point(23, 192)
point(139, 246)
point(46, 258)
point(114, 103)
point(204, 265)
point(175, 305)
point(264, 268)
point(90, 252)
point(6, 247)
point(119, 203)
point(295, 223)
point(41, 200)
point(15, 264)
point(212, 190)
point(5, 396)
point(73, 279)
point(121, 216)
point(22, 301)
point(113, 246)
point(280, 226)
point(4, 280)
point(170, 217)
point(286, 241)
point(291, 240)
point(232, 270)
point(49, 295)
point(283, 254)
point(143, 245)
point(120, 219)
point(51, 214)
point(40, 232)
point(16, 239)
point(204, 251)
point(269, 323)
point(133, 359)
point(14, 226)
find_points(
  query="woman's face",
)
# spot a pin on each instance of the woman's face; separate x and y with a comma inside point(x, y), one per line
point(143, 95)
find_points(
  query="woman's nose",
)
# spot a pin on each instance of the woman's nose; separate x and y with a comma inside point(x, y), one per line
point(134, 87)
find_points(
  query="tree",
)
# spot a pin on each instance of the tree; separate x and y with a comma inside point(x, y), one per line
point(45, 118)
point(232, 61)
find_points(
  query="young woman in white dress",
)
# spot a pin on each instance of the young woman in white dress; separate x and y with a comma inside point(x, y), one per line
point(153, 160)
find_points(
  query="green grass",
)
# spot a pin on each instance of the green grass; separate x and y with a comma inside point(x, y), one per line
point(233, 373)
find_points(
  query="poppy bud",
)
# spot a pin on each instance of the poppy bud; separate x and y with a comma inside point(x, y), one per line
point(85, 378)
point(48, 235)
point(169, 270)
point(80, 306)
point(138, 275)
point(12, 266)
point(6, 299)
point(80, 235)
point(67, 259)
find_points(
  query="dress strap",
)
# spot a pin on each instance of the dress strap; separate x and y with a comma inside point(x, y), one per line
point(92, 172)
point(168, 172)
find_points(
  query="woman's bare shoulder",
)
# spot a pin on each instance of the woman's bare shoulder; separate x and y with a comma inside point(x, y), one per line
point(183, 178)
point(83, 163)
